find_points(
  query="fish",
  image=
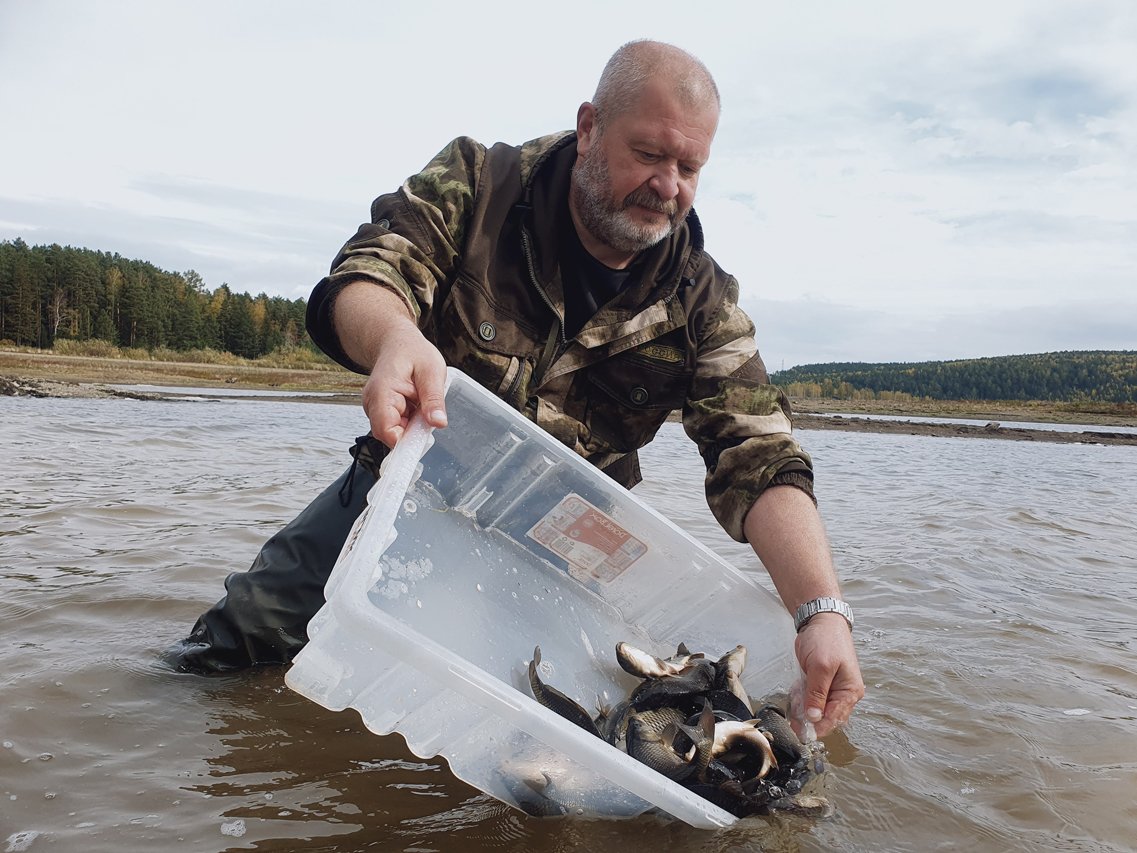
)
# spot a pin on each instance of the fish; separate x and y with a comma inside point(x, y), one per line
point(660, 739)
point(747, 738)
point(694, 679)
point(727, 706)
point(656, 720)
point(644, 665)
point(705, 744)
point(807, 805)
point(743, 800)
point(728, 675)
point(691, 720)
point(782, 737)
point(556, 701)
point(612, 723)
point(547, 798)
point(658, 750)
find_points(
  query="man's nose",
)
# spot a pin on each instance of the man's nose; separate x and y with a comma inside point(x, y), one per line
point(665, 182)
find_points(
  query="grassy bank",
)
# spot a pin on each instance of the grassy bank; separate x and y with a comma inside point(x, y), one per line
point(137, 367)
point(1028, 411)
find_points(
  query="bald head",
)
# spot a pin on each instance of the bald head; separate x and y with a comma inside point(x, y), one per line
point(637, 63)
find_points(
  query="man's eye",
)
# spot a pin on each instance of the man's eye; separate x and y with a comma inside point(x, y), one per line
point(647, 155)
point(689, 171)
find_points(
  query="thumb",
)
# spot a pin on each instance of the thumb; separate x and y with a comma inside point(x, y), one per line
point(817, 682)
point(432, 394)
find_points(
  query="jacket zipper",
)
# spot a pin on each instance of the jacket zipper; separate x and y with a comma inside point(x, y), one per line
point(528, 250)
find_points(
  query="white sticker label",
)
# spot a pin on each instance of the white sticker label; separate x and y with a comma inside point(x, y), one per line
point(593, 544)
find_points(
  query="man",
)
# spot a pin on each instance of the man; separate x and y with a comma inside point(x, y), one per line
point(567, 276)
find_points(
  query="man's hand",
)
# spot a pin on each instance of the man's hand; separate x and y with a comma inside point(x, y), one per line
point(375, 326)
point(409, 374)
point(833, 684)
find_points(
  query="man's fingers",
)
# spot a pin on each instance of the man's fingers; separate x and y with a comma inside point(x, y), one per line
point(840, 707)
point(833, 683)
point(389, 419)
point(387, 424)
point(386, 412)
point(409, 374)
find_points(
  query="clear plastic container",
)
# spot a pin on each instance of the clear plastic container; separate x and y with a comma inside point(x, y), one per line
point(486, 539)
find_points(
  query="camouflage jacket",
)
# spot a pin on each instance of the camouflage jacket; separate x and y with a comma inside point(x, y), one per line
point(470, 243)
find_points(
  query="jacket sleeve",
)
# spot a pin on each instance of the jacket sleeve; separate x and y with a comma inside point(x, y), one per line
point(740, 421)
point(411, 246)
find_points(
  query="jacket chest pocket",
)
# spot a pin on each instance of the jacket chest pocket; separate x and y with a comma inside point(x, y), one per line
point(630, 397)
point(487, 341)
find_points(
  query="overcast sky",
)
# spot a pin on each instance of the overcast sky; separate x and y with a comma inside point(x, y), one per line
point(891, 181)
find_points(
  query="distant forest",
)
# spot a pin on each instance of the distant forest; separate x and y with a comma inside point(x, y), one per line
point(53, 293)
point(1090, 376)
point(50, 294)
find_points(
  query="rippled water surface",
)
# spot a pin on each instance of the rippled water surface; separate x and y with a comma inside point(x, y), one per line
point(994, 583)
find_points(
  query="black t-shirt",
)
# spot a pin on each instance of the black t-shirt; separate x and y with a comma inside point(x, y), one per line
point(588, 284)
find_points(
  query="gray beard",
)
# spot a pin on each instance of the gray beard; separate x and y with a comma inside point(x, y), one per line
point(609, 222)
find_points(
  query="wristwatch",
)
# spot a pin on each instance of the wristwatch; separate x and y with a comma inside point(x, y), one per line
point(825, 604)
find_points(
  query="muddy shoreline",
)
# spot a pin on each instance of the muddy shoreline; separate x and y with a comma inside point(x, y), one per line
point(993, 429)
point(48, 374)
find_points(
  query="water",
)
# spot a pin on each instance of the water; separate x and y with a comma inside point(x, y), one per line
point(994, 585)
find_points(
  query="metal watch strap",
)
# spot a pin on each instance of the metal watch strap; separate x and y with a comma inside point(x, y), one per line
point(825, 604)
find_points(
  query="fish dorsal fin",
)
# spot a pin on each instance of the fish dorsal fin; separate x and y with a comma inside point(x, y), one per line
point(538, 786)
point(707, 720)
point(603, 709)
point(762, 730)
point(682, 651)
point(671, 732)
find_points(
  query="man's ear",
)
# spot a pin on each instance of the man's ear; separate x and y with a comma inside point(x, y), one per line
point(586, 129)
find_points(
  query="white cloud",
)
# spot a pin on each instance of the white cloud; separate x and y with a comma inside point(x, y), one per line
point(909, 170)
